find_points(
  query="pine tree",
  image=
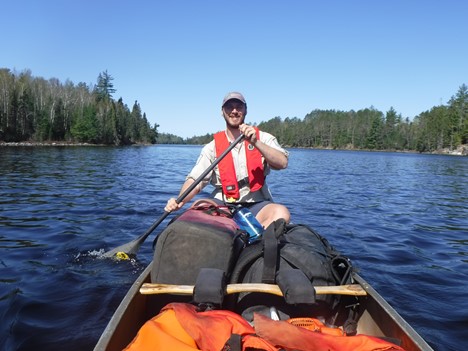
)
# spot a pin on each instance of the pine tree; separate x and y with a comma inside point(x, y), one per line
point(104, 88)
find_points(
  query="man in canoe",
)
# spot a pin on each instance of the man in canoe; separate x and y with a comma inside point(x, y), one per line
point(240, 177)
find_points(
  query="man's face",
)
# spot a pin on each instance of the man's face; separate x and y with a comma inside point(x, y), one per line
point(234, 112)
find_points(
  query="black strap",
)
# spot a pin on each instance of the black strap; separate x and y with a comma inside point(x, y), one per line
point(244, 182)
point(296, 287)
point(341, 269)
point(270, 250)
point(210, 287)
point(213, 210)
point(234, 343)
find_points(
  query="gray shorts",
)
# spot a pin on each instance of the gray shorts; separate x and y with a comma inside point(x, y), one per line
point(254, 207)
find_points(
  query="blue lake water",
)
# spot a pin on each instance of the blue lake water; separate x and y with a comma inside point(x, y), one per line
point(401, 218)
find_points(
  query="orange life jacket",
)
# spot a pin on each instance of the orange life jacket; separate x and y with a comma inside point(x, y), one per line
point(287, 336)
point(227, 171)
point(180, 327)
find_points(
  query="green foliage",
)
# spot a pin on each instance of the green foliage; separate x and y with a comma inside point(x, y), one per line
point(374, 137)
point(85, 129)
point(35, 109)
point(166, 138)
point(199, 140)
point(458, 116)
point(369, 129)
point(104, 88)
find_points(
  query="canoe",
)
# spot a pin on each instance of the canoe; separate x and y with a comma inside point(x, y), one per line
point(144, 300)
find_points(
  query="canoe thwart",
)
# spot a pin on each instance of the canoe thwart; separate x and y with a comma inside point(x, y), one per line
point(349, 289)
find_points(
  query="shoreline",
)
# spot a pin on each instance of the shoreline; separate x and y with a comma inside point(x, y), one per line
point(461, 150)
point(58, 143)
point(45, 143)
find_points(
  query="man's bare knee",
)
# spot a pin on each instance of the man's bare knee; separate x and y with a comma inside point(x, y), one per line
point(271, 213)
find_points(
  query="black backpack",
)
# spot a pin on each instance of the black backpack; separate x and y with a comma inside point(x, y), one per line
point(284, 251)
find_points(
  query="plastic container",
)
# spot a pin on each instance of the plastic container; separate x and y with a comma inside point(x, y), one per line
point(247, 221)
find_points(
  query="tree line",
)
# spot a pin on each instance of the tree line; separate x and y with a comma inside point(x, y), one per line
point(35, 109)
point(442, 127)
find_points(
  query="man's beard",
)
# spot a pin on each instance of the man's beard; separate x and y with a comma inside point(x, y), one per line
point(234, 126)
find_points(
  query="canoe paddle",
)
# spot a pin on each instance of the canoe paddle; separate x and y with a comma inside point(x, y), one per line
point(133, 246)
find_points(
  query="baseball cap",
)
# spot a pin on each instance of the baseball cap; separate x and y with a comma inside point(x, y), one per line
point(234, 95)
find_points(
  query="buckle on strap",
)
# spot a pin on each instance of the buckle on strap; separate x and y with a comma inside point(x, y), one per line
point(243, 182)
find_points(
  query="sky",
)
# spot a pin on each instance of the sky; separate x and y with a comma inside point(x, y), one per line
point(179, 58)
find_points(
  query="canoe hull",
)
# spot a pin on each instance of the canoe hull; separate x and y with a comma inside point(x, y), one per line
point(378, 318)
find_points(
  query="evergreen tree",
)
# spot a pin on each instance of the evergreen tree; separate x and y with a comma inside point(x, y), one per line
point(390, 130)
point(86, 128)
point(374, 138)
point(104, 88)
point(136, 117)
point(458, 106)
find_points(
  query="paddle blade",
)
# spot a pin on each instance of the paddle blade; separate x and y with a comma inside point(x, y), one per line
point(132, 247)
point(129, 248)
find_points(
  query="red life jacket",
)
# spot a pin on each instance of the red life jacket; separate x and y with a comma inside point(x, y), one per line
point(227, 171)
point(180, 327)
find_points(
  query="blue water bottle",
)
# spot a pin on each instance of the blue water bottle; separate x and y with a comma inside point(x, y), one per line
point(247, 221)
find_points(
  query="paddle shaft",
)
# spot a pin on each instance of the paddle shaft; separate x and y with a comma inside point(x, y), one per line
point(133, 246)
